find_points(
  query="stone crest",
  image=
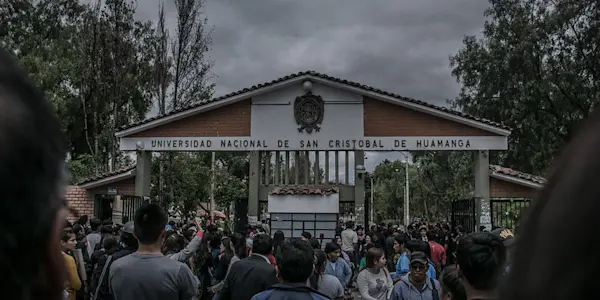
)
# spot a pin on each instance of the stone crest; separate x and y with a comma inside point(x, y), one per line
point(308, 112)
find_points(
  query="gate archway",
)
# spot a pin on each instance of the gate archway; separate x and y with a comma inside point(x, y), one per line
point(306, 113)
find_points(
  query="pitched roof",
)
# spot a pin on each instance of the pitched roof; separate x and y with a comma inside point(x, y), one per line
point(128, 171)
point(517, 176)
point(305, 190)
point(313, 74)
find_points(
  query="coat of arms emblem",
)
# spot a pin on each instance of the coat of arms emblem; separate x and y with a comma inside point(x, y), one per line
point(308, 111)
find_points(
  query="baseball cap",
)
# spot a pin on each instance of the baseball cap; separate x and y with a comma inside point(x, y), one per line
point(506, 235)
point(418, 256)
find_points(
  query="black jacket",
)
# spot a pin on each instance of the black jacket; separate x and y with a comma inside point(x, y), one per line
point(104, 292)
point(247, 278)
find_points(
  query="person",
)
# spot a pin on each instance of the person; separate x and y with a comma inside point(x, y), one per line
point(337, 266)
point(363, 261)
point(508, 239)
point(324, 283)
point(481, 258)
point(450, 286)
point(238, 245)
point(110, 245)
point(421, 246)
point(94, 237)
point(184, 254)
point(278, 241)
point(423, 234)
point(128, 244)
point(555, 256)
point(315, 243)
point(350, 242)
point(416, 284)
point(34, 177)
point(130, 277)
point(374, 281)
point(295, 267)
point(251, 275)
point(306, 236)
point(68, 242)
point(438, 252)
point(403, 263)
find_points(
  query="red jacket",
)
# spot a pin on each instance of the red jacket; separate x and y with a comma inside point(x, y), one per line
point(272, 259)
point(438, 254)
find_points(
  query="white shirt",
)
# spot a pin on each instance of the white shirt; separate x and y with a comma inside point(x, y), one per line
point(349, 238)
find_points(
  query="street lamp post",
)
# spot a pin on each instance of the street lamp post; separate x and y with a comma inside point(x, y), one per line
point(406, 195)
point(371, 208)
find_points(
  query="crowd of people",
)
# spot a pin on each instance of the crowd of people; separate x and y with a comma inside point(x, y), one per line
point(153, 258)
point(145, 260)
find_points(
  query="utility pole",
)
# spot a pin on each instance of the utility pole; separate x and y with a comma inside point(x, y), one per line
point(371, 208)
point(406, 194)
point(212, 187)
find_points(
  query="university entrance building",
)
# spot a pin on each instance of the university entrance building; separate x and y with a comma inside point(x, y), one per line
point(324, 122)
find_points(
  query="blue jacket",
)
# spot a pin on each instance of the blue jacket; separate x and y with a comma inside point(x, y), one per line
point(339, 269)
point(289, 291)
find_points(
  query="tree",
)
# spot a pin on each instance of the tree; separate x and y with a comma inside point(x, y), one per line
point(535, 69)
point(191, 82)
point(182, 69)
point(91, 63)
point(435, 179)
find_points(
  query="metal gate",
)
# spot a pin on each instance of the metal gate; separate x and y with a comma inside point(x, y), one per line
point(507, 212)
point(462, 212)
point(130, 205)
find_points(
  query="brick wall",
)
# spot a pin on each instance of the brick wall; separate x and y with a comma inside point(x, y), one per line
point(230, 120)
point(124, 187)
point(386, 119)
point(504, 189)
point(79, 199)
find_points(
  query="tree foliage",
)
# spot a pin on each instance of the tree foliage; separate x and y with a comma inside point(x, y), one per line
point(91, 62)
point(536, 69)
point(101, 68)
point(435, 179)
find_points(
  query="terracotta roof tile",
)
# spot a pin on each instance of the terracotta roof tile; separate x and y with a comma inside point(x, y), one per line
point(326, 77)
point(517, 174)
point(108, 174)
point(305, 190)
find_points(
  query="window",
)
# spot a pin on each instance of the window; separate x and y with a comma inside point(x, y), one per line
point(320, 226)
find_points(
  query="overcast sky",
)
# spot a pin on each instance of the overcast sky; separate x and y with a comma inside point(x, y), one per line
point(401, 46)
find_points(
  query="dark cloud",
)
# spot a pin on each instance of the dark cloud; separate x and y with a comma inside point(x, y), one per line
point(397, 45)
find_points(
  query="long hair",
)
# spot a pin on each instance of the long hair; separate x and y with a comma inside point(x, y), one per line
point(239, 245)
point(228, 249)
point(320, 259)
point(451, 284)
point(373, 256)
point(278, 240)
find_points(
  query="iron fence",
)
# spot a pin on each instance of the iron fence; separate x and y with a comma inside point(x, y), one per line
point(462, 212)
point(130, 205)
point(507, 212)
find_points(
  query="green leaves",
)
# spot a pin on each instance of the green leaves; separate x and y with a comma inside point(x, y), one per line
point(535, 69)
point(435, 179)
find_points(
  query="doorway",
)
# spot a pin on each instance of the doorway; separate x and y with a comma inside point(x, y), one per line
point(103, 207)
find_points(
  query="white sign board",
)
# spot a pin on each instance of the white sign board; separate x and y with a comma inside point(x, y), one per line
point(112, 191)
point(310, 204)
point(252, 220)
point(412, 143)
